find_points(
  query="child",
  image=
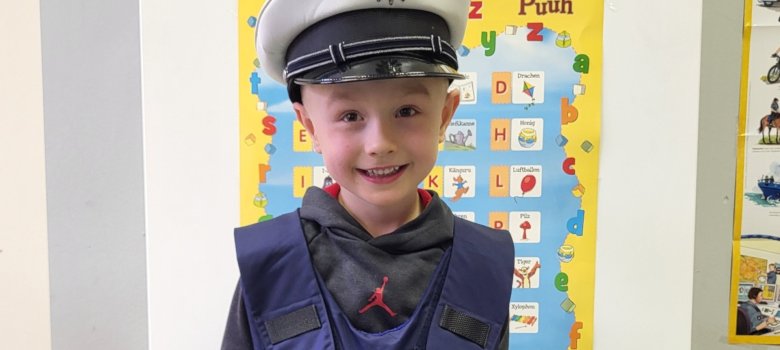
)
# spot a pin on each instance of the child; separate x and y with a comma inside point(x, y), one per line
point(370, 262)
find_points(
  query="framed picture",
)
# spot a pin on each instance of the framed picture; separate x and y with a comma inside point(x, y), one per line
point(742, 292)
point(769, 292)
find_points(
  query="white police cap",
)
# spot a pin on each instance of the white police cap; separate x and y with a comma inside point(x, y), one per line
point(335, 41)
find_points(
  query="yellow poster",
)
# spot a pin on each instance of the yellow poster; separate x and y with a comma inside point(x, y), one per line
point(753, 308)
point(525, 142)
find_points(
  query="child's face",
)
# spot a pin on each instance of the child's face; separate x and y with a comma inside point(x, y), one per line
point(378, 138)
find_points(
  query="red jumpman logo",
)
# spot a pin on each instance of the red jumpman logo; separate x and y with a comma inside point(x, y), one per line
point(376, 300)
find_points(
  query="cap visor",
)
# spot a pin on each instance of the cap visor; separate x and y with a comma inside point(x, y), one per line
point(375, 68)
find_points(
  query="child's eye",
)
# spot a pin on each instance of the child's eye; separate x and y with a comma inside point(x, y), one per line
point(407, 112)
point(350, 117)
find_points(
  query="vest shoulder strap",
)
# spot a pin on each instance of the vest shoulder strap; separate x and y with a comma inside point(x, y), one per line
point(474, 301)
point(280, 289)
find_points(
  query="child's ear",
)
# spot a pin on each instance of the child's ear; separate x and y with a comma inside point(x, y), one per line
point(303, 117)
point(451, 103)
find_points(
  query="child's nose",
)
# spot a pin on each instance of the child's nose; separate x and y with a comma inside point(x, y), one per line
point(380, 140)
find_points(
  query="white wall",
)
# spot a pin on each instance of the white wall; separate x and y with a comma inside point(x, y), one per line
point(190, 111)
point(644, 261)
point(24, 275)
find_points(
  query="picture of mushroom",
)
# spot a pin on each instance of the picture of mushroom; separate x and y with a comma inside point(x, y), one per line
point(525, 226)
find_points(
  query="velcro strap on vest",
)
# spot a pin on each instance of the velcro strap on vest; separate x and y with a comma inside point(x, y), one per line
point(293, 324)
point(465, 326)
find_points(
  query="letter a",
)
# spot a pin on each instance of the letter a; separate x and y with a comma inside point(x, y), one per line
point(581, 64)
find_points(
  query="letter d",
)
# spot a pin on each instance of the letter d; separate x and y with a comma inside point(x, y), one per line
point(500, 87)
point(574, 225)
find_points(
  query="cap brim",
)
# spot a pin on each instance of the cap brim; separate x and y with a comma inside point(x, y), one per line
point(376, 68)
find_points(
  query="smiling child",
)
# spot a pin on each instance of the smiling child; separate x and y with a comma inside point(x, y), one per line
point(372, 261)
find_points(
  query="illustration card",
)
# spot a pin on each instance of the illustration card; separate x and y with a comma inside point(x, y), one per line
point(525, 227)
point(527, 272)
point(523, 317)
point(461, 135)
point(525, 181)
point(527, 134)
point(460, 182)
point(528, 87)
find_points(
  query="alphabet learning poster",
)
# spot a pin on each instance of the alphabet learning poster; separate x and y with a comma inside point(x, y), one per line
point(521, 153)
point(757, 195)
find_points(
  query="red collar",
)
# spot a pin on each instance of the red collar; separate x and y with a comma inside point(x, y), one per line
point(425, 197)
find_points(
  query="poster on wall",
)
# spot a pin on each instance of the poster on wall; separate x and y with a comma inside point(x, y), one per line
point(754, 315)
point(521, 153)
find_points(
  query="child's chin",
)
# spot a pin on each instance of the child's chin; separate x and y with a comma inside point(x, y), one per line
point(387, 198)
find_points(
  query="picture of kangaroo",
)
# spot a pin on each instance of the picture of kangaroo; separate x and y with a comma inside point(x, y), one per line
point(460, 187)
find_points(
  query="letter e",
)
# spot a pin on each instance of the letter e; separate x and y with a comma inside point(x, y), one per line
point(562, 282)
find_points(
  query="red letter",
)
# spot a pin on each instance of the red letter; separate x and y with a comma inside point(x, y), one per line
point(432, 181)
point(270, 128)
point(568, 166)
point(302, 135)
point(497, 133)
point(535, 28)
point(476, 6)
point(500, 87)
point(498, 225)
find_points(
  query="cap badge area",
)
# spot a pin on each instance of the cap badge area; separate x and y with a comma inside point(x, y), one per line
point(389, 1)
point(388, 67)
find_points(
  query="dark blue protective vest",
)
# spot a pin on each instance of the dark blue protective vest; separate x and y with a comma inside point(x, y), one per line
point(289, 307)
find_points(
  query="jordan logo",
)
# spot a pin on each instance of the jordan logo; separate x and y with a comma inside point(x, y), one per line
point(376, 300)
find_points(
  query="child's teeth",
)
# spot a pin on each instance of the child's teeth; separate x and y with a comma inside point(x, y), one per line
point(382, 172)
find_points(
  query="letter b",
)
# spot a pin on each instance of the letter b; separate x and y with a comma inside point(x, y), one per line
point(569, 113)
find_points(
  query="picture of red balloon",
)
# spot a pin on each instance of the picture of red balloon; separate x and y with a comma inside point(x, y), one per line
point(528, 183)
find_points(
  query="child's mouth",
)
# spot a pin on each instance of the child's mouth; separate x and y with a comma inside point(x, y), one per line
point(382, 172)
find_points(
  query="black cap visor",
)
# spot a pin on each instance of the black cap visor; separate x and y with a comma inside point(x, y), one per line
point(376, 68)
